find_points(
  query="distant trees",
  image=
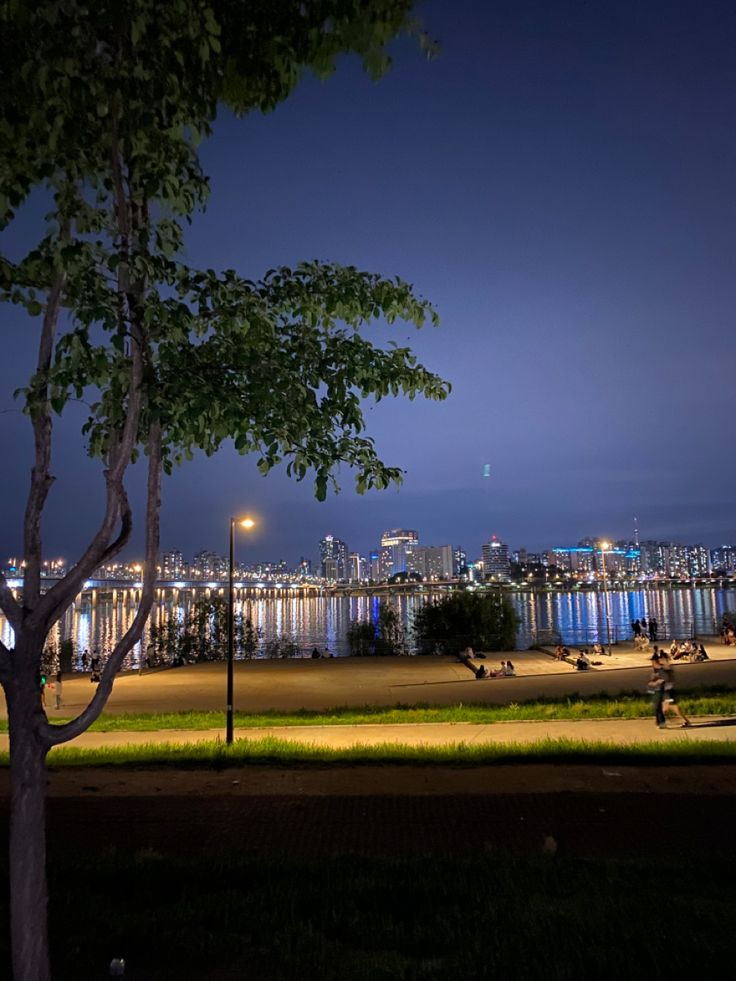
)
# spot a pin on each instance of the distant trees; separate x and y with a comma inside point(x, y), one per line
point(201, 634)
point(483, 621)
point(382, 636)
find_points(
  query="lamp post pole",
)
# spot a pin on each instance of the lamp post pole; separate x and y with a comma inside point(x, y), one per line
point(606, 599)
point(230, 636)
point(246, 523)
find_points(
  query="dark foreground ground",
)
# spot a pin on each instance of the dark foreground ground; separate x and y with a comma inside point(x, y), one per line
point(413, 885)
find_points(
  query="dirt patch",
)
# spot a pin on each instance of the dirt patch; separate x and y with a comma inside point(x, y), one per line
point(584, 810)
point(407, 781)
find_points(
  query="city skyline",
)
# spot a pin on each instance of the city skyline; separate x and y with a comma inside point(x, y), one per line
point(314, 563)
point(560, 186)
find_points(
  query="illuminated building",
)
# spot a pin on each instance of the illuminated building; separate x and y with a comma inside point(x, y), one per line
point(397, 549)
point(495, 556)
point(333, 555)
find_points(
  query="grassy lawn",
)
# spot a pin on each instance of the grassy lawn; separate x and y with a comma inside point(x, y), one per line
point(279, 752)
point(717, 701)
point(349, 918)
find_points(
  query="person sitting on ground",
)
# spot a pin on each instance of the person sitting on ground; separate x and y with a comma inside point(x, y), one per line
point(565, 653)
point(559, 652)
point(699, 654)
point(582, 663)
point(481, 672)
point(683, 651)
point(641, 642)
point(466, 655)
point(509, 670)
point(316, 652)
point(673, 647)
point(598, 650)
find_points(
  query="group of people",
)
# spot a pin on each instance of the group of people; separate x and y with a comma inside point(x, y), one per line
point(644, 628)
point(662, 687)
point(584, 659)
point(687, 650)
point(506, 670)
point(95, 663)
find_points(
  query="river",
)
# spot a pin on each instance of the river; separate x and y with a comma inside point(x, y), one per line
point(99, 617)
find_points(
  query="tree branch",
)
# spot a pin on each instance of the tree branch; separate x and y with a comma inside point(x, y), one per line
point(41, 479)
point(55, 734)
point(56, 600)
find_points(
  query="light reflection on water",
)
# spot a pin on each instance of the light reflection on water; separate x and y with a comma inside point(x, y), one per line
point(98, 619)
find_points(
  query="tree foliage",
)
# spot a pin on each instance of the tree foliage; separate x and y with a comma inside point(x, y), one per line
point(484, 621)
point(381, 636)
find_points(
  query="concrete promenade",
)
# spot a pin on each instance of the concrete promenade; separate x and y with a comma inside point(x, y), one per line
point(289, 685)
point(324, 684)
point(617, 732)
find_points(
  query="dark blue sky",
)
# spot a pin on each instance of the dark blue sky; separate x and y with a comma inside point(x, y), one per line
point(560, 183)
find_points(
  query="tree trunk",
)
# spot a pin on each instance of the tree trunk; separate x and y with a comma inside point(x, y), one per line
point(28, 889)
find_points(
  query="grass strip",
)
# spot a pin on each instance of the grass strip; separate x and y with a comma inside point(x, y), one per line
point(270, 751)
point(635, 705)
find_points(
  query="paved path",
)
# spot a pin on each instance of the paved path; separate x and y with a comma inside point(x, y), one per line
point(613, 731)
point(323, 684)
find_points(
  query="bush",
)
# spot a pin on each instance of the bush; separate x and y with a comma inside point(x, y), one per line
point(384, 636)
point(484, 621)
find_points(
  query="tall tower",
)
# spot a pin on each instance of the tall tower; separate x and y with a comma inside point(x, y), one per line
point(333, 555)
point(495, 558)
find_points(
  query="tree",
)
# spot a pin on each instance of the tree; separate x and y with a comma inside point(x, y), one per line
point(201, 634)
point(382, 636)
point(103, 107)
point(485, 621)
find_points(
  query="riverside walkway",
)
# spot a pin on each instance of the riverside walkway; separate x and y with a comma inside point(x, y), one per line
point(289, 685)
point(328, 683)
point(615, 732)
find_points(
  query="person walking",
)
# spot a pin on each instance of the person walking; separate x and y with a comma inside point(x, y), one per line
point(57, 689)
point(652, 629)
point(669, 700)
point(656, 688)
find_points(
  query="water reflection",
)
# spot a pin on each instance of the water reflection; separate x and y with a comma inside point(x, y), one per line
point(99, 618)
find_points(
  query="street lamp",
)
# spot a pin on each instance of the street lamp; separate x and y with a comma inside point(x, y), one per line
point(605, 546)
point(246, 523)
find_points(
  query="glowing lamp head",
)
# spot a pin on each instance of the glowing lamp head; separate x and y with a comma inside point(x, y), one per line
point(605, 546)
point(247, 523)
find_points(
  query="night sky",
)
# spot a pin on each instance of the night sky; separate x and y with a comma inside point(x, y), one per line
point(560, 183)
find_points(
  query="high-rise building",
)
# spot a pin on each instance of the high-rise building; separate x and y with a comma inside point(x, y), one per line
point(698, 561)
point(172, 564)
point(333, 555)
point(356, 567)
point(374, 566)
point(209, 565)
point(723, 558)
point(397, 548)
point(459, 562)
point(495, 558)
point(436, 562)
